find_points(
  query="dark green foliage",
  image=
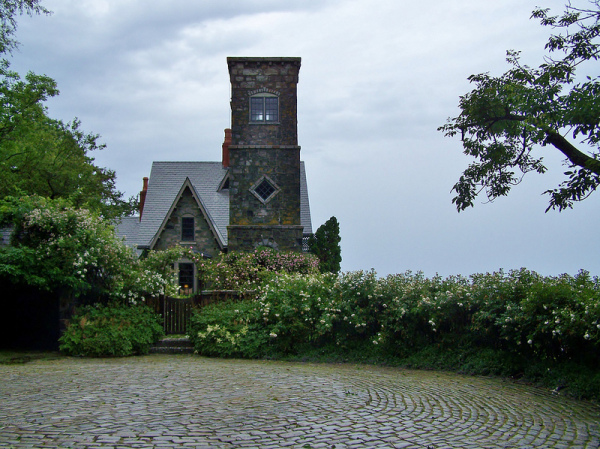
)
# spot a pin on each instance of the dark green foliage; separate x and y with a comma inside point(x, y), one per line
point(42, 156)
point(325, 244)
point(114, 330)
point(515, 324)
point(46, 157)
point(229, 329)
point(505, 119)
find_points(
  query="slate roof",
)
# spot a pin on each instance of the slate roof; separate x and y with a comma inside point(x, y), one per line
point(128, 229)
point(305, 219)
point(165, 182)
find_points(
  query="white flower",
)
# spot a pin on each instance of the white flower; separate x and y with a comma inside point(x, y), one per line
point(530, 342)
point(273, 335)
point(587, 336)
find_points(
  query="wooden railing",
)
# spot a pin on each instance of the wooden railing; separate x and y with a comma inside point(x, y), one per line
point(177, 312)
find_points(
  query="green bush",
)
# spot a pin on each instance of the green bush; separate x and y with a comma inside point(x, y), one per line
point(113, 330)
point(513, 324)
point(228, 329)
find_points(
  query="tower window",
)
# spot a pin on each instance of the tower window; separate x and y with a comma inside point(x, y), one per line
point(187, 229)
point(264, 189)
point(264, 109)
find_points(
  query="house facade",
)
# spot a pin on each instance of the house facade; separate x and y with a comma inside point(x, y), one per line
point(255, 196)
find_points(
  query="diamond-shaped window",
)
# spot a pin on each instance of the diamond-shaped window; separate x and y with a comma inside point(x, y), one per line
point(264, 189)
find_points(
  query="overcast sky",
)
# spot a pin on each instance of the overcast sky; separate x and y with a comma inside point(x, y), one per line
point(377, 79)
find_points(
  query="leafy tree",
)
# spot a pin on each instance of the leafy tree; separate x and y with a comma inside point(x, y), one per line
point(504, 119)
point(46, 157)
point(42, 156)
point(8, 23)
point(325, 244)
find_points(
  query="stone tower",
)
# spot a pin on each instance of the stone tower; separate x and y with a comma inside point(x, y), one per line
point(264, 156)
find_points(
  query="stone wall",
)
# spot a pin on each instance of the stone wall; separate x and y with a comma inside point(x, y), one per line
point(204, 240)
point(264, 149)
point(277, 76)
point(282, 238)
point(247, 166)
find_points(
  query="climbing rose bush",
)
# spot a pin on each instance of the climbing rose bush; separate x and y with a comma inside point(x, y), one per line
point(243, 271)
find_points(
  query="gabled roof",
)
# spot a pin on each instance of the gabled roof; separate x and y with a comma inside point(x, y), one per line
point(188, 185)
point(206, 179)
point(165, 183)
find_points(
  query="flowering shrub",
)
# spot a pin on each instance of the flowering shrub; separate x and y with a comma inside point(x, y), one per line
point(242, 271)
point(296, 311)
point(508, 319)
point(228, 330)
point(101, 331)
point(57, 246)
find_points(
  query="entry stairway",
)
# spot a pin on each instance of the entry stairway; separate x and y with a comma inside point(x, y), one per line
point(173, 345)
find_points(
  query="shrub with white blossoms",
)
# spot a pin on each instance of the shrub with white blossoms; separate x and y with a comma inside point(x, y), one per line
point(55, 246)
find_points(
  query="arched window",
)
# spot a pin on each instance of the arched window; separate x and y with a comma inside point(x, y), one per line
point(264, 108)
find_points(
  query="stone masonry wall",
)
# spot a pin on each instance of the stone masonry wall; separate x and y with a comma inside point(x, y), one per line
point(278, 76)
point(171, 235)
point(264, 149)
point(247, 166)
point(282, 238)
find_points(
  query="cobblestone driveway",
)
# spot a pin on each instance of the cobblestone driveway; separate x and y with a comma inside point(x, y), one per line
point(187, 401)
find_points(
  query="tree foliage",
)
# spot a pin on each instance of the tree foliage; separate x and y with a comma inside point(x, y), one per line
point(325, 244)
point(505, 119)
point(40, 155)
point(9, 9)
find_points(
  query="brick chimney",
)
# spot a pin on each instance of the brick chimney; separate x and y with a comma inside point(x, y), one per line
point(226, 144)
point(143, 196)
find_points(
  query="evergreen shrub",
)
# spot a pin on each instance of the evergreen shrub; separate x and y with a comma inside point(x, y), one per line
point(112, 330)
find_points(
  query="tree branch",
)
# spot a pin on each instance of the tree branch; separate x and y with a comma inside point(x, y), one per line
point(573, 154)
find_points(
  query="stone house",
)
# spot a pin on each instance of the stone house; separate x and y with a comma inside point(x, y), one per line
point(255, 196)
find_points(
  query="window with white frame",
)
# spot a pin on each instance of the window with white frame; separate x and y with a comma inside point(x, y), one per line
point(264, 189)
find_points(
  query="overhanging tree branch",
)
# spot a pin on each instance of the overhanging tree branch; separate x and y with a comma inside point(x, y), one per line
point(504, 118)
point(571, 152)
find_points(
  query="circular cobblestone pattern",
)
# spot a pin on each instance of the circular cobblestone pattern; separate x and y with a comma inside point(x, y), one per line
point(189, 401)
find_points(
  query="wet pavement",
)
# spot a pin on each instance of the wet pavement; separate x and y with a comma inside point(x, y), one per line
point(190, 401)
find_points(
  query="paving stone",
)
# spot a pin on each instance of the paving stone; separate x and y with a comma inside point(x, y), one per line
point(167, 401)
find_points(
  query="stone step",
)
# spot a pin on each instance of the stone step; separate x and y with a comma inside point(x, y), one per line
point(173, 345)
